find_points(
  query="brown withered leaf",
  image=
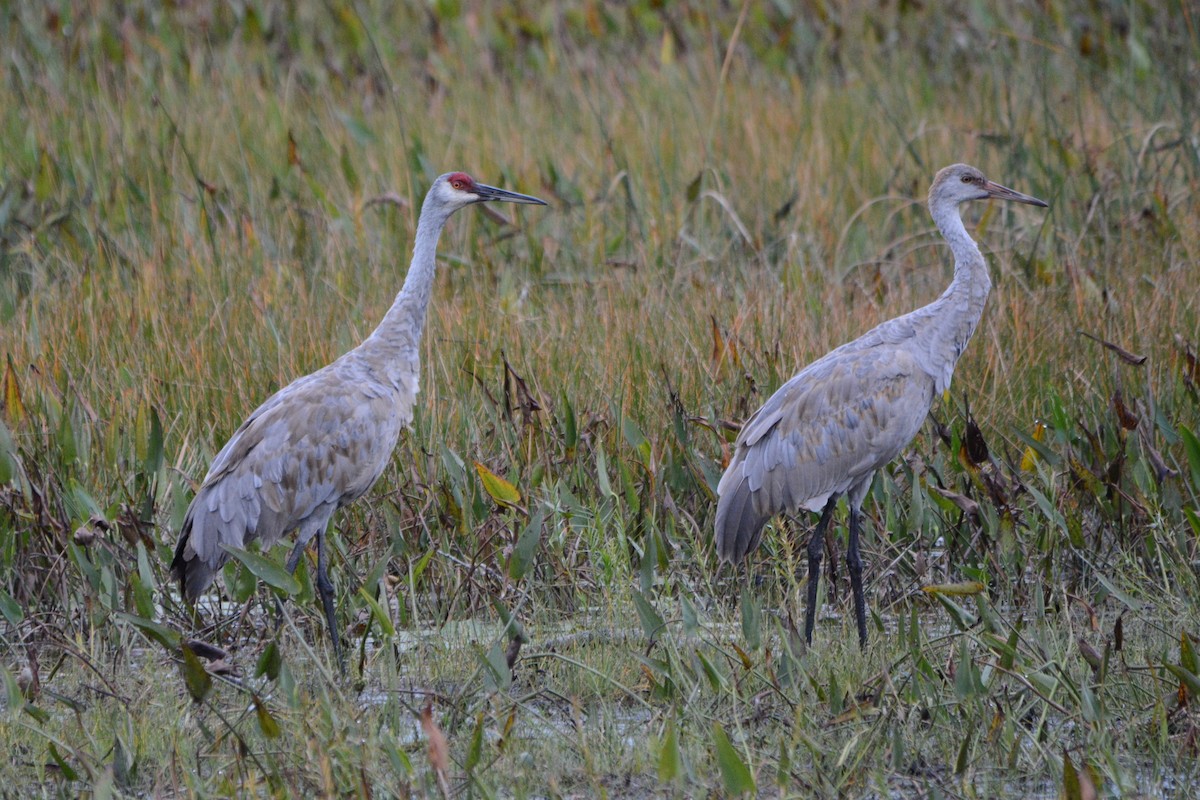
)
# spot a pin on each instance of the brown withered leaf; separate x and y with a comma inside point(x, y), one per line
point(1128, 419)
point(87, 533)
point(514, 651)
point(977, 449)
point(723, 346)
point(439, 749)
point(1125, 355)
point(1091, 655)
point(1162, 470)
point(963, 588)
point(515, 384)
point(964, 503)
point(207, 651)
point(13, 405)
point(387, 198)
point(221, 667)
point(1190, 368)
point(1093, 621)
point(29, 678)
point(293, 153)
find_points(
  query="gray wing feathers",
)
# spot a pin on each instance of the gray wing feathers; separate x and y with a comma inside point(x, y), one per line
point(739, 522)
point(823, 432)
point(315, 445)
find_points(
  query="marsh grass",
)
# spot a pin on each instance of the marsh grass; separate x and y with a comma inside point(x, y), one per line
point(199, 204)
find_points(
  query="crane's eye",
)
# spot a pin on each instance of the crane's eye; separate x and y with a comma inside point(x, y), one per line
point(458, 183)
point(967, 179)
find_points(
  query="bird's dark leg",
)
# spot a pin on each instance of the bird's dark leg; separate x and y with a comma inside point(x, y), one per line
point(292, 562)
point(294, 557)
point(854, 565)
point(325, 588)
point(816, 546)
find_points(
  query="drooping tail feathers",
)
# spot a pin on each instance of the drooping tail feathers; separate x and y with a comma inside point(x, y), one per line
point(192, 572)
point(739, 523)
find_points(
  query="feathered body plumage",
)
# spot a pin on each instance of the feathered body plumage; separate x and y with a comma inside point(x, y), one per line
point(323, 440)
point(828, 429)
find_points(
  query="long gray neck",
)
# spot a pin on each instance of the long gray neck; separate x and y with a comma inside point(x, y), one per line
point(398, 336)
point(953, 316)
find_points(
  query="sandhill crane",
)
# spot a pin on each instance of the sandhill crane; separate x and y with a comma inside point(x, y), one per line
point(826, 431)
point(323, 440)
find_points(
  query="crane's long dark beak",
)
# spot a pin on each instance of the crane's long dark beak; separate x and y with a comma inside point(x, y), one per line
point(485, 193)
point(999, 192)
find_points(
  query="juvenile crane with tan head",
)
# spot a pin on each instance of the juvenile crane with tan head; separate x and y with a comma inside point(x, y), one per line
point(323, 440)
point(826, 431)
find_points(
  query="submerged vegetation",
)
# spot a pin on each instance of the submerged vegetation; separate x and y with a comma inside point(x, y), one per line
point(201, 202)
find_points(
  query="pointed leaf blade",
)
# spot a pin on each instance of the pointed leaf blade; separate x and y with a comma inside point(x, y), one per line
point(270, 573)
point(498, 488)
point(734, 772)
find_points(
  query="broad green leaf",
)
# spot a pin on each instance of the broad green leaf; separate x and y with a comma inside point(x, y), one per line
point(1187, 656)
point(418, 570)
point(348, 171)
point(66, 437)
point(652, 623)
point(240, 582)
point(123, 763)
point(964, 752)
point(637, 440)
point(8, 456)
point(499, 489)
point(269, 662)
point(67, 771)
point(570, 430)
point(270, 573)
point(498, 676)
point(195, 676)
point(648, 561)
point(143, 561)
point(668, 754)
point(1052, 514)
point(1130, 603)
point(1071, 788)
point(691, 623)
point(1191, 446)
point(475, 750)
point(716, 680)
point(1192, 517)
point(143, 596)
point(266, 722)
point(357, 128)
point(512, 626)
point(602, 480)
point(1187, 678)
point(963, 619)
point(734, 772)
point(11, 609)
point(11, 689)
point(40, 714)
point(526, 547)
point(167, 637)
point(966, 676)
point(378, 612)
